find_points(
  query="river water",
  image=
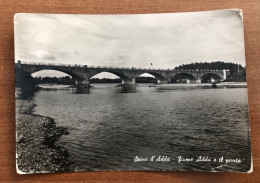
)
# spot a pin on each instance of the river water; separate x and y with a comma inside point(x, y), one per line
point(113, 128)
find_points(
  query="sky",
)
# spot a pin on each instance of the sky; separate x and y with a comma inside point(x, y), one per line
point(166, 40)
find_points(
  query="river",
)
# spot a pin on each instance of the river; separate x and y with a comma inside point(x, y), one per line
point(115, 129)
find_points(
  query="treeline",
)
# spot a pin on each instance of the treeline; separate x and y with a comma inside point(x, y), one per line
point(146, 80)
point(118, 80)
point(67, 80)
point(105, 80)
point(234, 69)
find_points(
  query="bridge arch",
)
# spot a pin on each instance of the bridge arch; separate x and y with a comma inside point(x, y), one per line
point(159, 77)
point(118, 74)
point(73, 75)
point(183, 77)
point(49, 73)
point(212, 77)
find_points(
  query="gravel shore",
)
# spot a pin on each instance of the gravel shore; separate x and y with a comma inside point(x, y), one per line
point(37, 145)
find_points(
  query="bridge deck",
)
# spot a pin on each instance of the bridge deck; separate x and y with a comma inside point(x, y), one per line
point(111, 67)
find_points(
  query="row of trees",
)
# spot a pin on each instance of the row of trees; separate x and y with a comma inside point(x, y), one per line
point(235, 69)
point(67, 80)
point(237, 72)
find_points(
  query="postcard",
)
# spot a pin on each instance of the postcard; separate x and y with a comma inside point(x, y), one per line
point(131, 92)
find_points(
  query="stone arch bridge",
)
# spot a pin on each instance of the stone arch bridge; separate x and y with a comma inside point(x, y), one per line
point(83, 73)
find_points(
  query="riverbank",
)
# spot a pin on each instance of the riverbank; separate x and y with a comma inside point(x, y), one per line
point(181, 86)
point(37, 146)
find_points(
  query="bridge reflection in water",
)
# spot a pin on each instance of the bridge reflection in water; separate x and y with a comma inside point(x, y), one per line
point(121, 89)
point(128, 89)
point(82, 90)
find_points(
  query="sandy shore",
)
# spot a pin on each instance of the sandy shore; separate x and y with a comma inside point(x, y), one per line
point(37, 145)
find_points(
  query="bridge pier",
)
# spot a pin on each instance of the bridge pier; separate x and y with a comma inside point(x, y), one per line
point(224, 74)
point(198, 81)
point(82, 83)
point(160, 81)
point(128, 82)
point(212, 80)
point(133, 81)
point(125, 81)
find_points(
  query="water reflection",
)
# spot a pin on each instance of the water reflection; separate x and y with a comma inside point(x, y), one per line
point(27, 93)
point(119, 89)
point(81, 91)
point(128, 89)
point(108, 129)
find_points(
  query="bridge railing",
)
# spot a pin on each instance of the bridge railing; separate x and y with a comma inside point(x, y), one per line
point(89, 66)
point(110, 67)
point(194, 70)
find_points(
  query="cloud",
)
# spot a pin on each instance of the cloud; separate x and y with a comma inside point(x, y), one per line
point(76, 52)
point(167, 40)
point(41, 54)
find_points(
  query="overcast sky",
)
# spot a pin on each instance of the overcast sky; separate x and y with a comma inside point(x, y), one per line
point(165, 40)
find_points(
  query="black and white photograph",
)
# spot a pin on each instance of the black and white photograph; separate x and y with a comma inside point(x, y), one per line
point(131, 92)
